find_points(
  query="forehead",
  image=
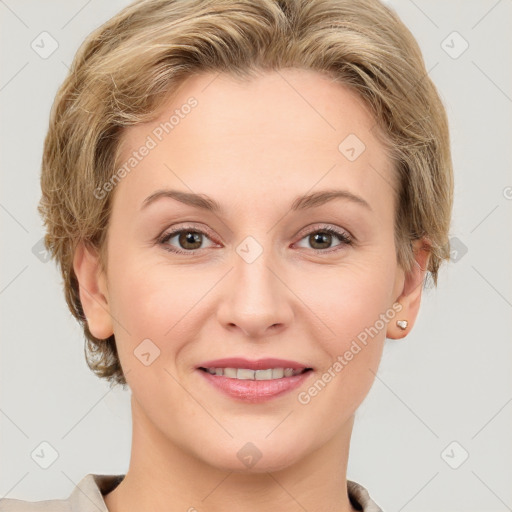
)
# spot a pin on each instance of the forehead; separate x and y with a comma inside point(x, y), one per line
point(281, 133)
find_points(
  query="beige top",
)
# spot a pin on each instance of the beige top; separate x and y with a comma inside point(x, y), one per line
point(88, 497)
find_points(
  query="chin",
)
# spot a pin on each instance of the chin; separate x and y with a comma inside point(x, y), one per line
point(252, 456)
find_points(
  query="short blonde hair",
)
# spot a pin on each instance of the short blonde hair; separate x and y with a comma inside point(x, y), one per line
point(125, 69)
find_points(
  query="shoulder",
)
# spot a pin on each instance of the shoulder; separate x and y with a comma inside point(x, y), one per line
point(87, 496)
point(360, 498)
point(12, 505)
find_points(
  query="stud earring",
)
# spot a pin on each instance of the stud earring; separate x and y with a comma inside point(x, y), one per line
point(402, 324)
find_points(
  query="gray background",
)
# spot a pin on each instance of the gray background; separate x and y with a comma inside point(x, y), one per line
point(450, 380)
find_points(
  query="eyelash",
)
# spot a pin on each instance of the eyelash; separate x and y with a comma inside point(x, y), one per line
point(344, 237)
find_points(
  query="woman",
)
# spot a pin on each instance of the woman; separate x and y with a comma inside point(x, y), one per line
point(244, 198)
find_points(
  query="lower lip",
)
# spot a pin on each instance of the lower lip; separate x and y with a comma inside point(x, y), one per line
point(255, 391)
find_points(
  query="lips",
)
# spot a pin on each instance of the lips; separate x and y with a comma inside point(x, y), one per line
point(254, 381)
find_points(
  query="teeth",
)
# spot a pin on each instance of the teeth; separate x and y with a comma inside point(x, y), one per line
point(277, 373)
point(247, 374)
point(263, 374)
point(227, 372)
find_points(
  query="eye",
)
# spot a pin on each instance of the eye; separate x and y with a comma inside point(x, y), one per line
point(189, 240)
point(321, 239)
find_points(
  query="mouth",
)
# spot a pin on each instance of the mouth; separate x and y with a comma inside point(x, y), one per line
point(254, 381)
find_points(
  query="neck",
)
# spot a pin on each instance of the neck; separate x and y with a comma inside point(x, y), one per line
point(163, 476)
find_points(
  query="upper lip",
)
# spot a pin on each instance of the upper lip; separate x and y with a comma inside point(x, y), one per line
point(260, 364)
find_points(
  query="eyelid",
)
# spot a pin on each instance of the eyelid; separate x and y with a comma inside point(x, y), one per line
point(176, 228)
point(319, 226)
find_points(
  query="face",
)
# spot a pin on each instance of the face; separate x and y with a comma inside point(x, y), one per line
point(263, 276)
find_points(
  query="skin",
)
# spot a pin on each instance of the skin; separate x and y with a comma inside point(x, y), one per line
point(253, 146)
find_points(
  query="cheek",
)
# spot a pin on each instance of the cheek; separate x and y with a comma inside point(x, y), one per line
point(349, 298)
point(153, 301)
point(351, 306)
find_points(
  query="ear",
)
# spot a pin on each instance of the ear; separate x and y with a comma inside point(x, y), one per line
point(93, 290)
point(410, 296)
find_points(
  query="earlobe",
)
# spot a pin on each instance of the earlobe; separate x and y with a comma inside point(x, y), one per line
point(93, 290)
point(410, 296)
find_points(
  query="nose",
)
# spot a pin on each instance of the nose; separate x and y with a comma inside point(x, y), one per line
point(255, 298)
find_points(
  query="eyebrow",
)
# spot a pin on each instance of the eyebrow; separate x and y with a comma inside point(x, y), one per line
point(304, 202)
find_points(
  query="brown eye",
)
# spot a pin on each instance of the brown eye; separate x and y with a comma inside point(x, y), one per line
point(322, 239)
point(189, 240)
point(183, 241)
